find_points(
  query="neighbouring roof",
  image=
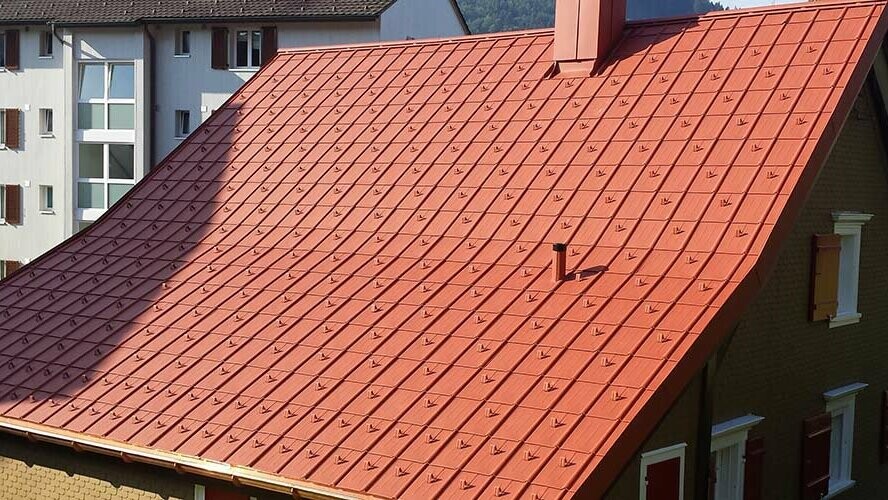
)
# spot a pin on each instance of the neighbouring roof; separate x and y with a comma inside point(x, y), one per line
point(133, 11)
point(342, 278)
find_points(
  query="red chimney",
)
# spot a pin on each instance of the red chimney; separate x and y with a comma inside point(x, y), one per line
point(586, 31)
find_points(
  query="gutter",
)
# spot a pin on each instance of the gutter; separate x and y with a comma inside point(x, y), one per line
point(152, 98)
point(239, 476)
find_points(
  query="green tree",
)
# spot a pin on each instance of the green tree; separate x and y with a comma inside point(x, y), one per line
point(487, 16)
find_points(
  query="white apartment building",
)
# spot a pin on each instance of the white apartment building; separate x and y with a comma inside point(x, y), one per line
point(95, 92)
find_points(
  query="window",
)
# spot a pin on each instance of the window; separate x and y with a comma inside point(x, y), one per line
point(183, 43)
point(2, 49)
point(45, 122)
point(840, 406)
point(248, 49)
point(728, 459)
point(204, 493)
point(183, 123)
point(2, 129)
point(662, 473)
point(46, 202)
point(848, 226)
point(2, 204)
point(107, 96)
point(105, 173)
point(45, 44)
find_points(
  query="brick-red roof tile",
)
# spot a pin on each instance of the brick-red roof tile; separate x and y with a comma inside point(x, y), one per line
point(342, 278)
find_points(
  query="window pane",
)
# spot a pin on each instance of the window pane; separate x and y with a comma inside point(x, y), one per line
point(835, 448)
point(2, 49)
point(121, 116)
point(92, 81)
point(116, 192)
point(91, 161)
point(90, 116)
point(90, 195)
point(123, 82)
point(47, 198)
point(120, 161)
point(186, 43)
point(257, 48)
point(83, 224)
point(241, 49)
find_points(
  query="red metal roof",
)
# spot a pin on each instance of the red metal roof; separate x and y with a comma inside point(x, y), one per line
point(343, 276)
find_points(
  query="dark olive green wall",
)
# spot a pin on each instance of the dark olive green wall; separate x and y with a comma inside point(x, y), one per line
point(778, 364)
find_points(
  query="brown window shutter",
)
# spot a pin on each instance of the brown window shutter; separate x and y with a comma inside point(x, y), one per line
point(13, 131)
point(825, 276)
point(269, 43)
point(220, 48)
point(12, 266)
point(754, 469)
point(815, 457)
point(12, 49)
point(13, 204)
point(885, 428)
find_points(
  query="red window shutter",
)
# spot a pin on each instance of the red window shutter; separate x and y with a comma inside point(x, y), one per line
point(754, 469)
point(664, 480)
point(269, 43)
point(885, 428)
point(825, 276)
point(815, 457)
point(214, 494)
point(13, 197)
point(219, 56)
point(13, 130)
point(12, 49)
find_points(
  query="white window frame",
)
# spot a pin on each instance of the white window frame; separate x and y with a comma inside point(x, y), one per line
point(233, 49)
point(840, 402)
point(849, 226)
point(177, 43)
point(92, 214)
point(46, 118)
point(733, 434)
point(179, 117)
point(44, 191)
point(106, 101)
point(662, 455)
point(45, 47)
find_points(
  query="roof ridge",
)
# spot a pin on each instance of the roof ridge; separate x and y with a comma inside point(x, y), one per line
point(799, 5)
point(421, 41)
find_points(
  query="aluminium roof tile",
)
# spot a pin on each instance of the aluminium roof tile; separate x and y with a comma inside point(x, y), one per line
point(348, 263)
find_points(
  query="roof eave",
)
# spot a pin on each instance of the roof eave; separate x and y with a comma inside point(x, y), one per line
point(180, 463)
point(191, 20)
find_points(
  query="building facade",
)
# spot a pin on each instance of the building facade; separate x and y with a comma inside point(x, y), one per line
point(89, 102)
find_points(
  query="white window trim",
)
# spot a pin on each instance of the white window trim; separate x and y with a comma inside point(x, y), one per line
point(106, 101)
point(842, 401)
point(40, 54)
point(731, 433)
point(849, 224)
point(2, 128)
point(177, 43)
point(42, 123)
point(41, 193)
point(662, 455)
point(233, 50)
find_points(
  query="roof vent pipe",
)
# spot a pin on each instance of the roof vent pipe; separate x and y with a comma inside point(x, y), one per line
point(559, 262)
point(585, 32)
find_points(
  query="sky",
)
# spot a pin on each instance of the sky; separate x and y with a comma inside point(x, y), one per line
point(739, 4)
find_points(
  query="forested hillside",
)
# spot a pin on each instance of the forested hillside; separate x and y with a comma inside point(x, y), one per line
point(486, 16)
